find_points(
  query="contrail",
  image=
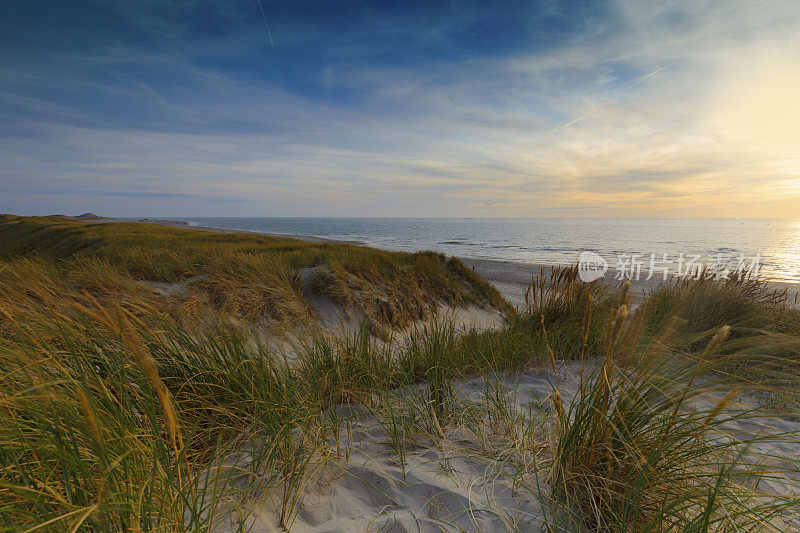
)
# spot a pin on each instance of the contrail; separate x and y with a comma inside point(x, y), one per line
point(613, 100)
point(642, 78)
point(265, 23)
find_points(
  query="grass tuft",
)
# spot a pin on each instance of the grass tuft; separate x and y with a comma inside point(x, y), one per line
point(122, 414)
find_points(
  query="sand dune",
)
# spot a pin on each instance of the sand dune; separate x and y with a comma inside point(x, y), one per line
point(470, 479)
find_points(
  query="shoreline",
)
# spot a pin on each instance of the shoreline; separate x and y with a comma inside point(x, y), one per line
point(213, 229)
point(511, 278)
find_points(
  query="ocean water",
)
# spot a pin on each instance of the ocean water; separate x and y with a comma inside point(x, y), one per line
point(774, 245)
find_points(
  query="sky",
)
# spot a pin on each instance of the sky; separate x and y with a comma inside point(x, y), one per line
point(401, 109)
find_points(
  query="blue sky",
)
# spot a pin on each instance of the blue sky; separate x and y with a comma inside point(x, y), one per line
point(620, 108)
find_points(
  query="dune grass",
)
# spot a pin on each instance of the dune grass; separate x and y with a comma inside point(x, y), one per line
point(247, 276)
point(762, 346)
point(119, 415)
point(642, 448)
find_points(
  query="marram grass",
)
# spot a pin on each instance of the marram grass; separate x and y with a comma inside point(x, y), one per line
point(121, 415)
point(247, 276)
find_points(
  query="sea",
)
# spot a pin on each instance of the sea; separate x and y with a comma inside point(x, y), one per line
point(770, 246)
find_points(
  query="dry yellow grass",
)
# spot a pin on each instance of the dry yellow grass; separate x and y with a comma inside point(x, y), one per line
point(247, 276)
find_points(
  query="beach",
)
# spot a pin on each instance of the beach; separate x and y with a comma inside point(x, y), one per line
point(512, 279)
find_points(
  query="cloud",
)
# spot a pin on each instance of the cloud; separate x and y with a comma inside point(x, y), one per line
point(631, 109)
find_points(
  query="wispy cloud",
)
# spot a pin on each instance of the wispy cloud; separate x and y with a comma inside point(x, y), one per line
point(626, 109)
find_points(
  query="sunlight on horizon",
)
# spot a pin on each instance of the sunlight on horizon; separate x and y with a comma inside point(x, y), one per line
point(786, 256)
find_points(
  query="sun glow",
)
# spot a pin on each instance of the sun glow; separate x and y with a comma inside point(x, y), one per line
point(758, 104)
point(793, 185)
point(788, 256)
